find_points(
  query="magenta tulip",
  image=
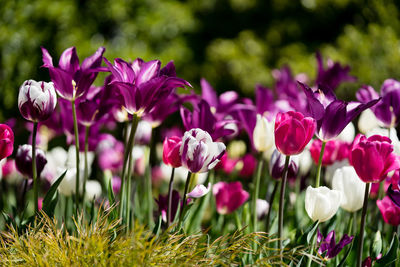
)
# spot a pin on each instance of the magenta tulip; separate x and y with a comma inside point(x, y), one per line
point(293, 131)
point(390, 212)
point(229, 196)
point(373, 158)
point(6, 141)
point(171, 148)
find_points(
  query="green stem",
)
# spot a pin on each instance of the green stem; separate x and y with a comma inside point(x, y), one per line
point(128, 191)
point(256, 184)
point(34, 171)
point(321, 155)
point(171, 182)
point(271, 202)
point(312, 247)
point(189, 176)
point(127, 153)
point(86, 170)
point(281, 204)
point(363, 216)
point(149, 189)
point(77, 155)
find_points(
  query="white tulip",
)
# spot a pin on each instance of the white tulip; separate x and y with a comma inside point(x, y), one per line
point(348, 133)
point(263, 134)
point(367, 121)
point(322, 203)
point(93, 190)
point(262, 207)
point(352, 188)
point(330, 170)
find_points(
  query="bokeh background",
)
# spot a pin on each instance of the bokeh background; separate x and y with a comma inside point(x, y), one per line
point(232, 43)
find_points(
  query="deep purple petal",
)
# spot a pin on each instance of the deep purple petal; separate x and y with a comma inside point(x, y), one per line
point(315, 108)
point(208, 93)
point(69, 60)
point(334, 120)
point(94, 60)
point(148, 71)
point(62, 82)
point(46, 58)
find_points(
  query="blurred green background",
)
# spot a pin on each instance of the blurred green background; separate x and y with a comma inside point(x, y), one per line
point(232, 43)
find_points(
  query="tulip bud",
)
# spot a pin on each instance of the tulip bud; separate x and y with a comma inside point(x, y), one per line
point(6, 141)
point(36, 100)
point(198, 151)
point(277, 165)
point(346, 181)
point(23, 160)
point(93, 189)
point(171, 148)
point(263, 134)
point(322, 203)
point(262, 207)
point(116, 184)
point(199, 191)
point(229, 196)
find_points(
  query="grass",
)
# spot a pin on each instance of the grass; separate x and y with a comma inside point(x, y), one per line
point(98, 244)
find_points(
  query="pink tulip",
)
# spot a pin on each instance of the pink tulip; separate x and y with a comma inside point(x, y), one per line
point(373, 158)
point(390, 211)
point(171, 151)
point(229, 196)
point(335, 150)
point(293, 131)
point(6, 141)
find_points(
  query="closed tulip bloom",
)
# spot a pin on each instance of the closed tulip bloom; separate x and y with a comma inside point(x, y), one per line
point(171, 154)
point(293, 131)
point(6, 141)
point(322, 203)
point(390, 212)
point(263, 134)
point(373, 158)
point(277, 164)
point(93, 189)
point(23, 160)
point(199, 191)
point(229, 196)
point(198, 151)
point(36, 100)
point(346, 181)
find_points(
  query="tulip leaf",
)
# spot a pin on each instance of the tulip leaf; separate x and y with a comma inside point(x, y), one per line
point(51, 198)
point(377, 245)
point(308, 234)
point(111, 200)
point(391, 255)
point(157, 227)
point(343, 261)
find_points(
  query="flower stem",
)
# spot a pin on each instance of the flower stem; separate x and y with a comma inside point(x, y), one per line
point(189, 176)
point(271, 202)
point(149, 189)
point(171, 182)
point(281, 204)
point(127, 153)
point(256, 184)
point(312, 246)
point(77, 154)
point(86, 170)
point(34, 171)
point(363, 216)
point(321, 155)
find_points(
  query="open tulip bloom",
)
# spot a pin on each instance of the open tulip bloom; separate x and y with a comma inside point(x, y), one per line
point(329, 245)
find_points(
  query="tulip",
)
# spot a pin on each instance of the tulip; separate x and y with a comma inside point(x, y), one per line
point(390, 212)
point(322, 203)
point(116, 184)
point(229, 196)
point(162, 202)
point(277, 164)
point(293, 131)
point(143, 133)
point(93, 189)
point(373, 158)
point(67, 186)
point(262, 208)
point(171, 147)
point(263, 134)
point(249, 163)
point(367, 121)
point(330, 151)
point(23, 160)
point(198, 151)
point(329, 244)
point(36, 100)
point(6, 141)
point(199, 191)
point(346, 181)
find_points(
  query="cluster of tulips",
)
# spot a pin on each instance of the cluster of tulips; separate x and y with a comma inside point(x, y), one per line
point(222, 142)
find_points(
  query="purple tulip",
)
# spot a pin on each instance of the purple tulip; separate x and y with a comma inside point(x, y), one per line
point(198, 151)
point(110, 153)
point(388, 109)
point(36, 100)
point(88, 105)
point(23, 160)
point(329, 244)
point(277, 164)
point(333, 75)
point(162, 202)
point(229, 196)
point(332, 115)
point(142, 85)
point(70, 79)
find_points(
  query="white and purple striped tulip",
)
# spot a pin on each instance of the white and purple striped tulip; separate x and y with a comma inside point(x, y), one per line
point(36, 100)
point(199, 191)
point(198, 151)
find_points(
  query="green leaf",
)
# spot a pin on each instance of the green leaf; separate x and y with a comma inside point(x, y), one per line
point(308, 234)
point(51, 198)
point(391, 255)
point(157, 227)
point(377, 245)
point(111, 199)
point(343, 261)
